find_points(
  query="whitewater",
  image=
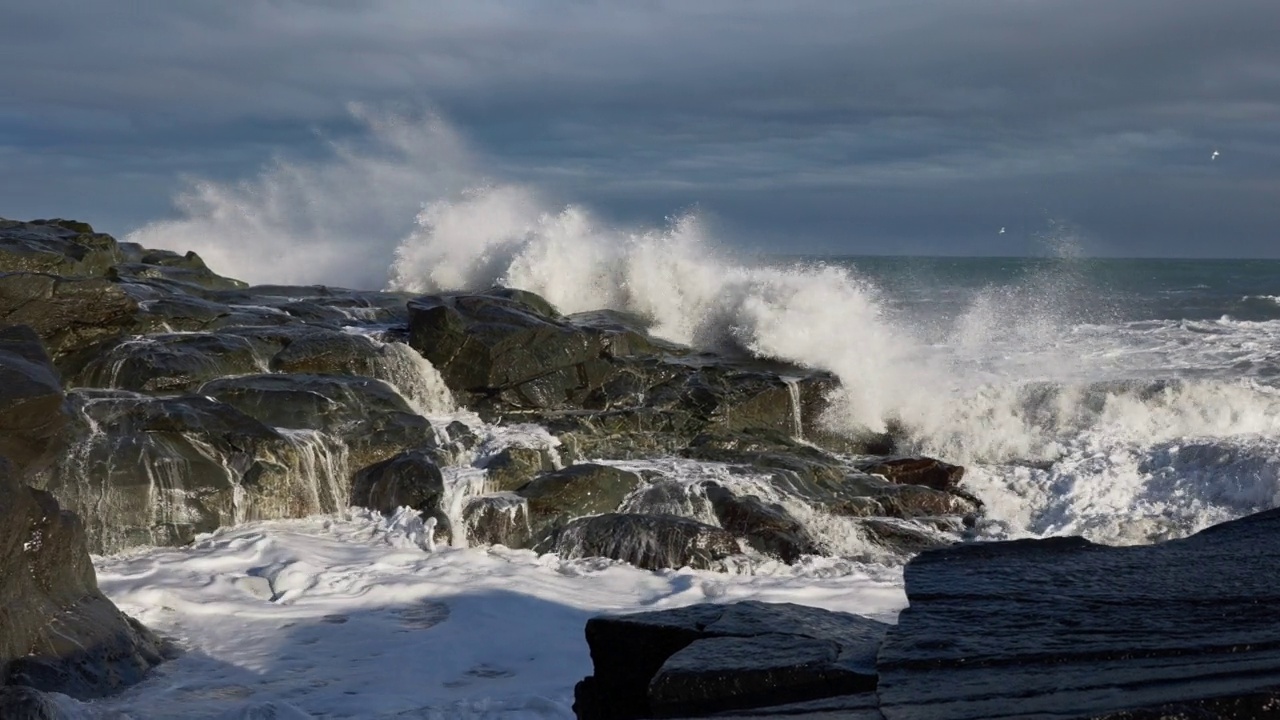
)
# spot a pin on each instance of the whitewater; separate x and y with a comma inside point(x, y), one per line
point(1128, 401)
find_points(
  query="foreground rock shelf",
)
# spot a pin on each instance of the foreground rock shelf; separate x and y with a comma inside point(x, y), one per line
point(1057, 629)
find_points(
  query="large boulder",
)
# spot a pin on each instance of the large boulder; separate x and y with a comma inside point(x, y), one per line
point(32, 414)
point(410, 479)
point(705, 659)
point(511, 345)
point(1067, 629)
point(651, 542)
point(369, 416)
point(157, 470)
point(57, 631)
point(555, 498)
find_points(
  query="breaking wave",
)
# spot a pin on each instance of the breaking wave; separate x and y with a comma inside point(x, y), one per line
point(1017, 376)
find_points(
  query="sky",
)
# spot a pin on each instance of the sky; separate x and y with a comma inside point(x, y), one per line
point(844, 126)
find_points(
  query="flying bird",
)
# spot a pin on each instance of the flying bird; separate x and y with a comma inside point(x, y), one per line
point(1215, 155)
point(1001, 231)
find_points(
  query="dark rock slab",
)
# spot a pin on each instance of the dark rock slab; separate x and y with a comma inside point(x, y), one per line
point(33, 418)
point(652, 542)
point(655, 664)
point(57, 631)
point(730, 673)
point(859, 706)
point(1063, 628)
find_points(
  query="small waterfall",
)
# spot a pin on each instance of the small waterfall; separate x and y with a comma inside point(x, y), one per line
point(320, 471)
point(416, 379)
point(797, 424)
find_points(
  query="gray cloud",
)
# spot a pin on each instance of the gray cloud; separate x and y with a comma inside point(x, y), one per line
point(869, 126)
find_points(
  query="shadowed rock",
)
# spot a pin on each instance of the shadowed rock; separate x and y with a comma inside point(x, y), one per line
point(32, 414)
point(1065, 629)
point(704, 659)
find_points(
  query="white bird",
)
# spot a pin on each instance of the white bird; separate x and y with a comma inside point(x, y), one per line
point(1215, 155)
point(1001, 231)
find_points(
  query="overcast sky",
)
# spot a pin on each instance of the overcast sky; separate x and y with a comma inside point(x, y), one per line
point(846, 126)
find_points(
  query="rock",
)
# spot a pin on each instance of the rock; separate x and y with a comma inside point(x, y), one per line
point(492, 344)
point(410, 479)
point(733, 673)
point(554, 498)
point(33, 418)
point(514, 467)
point(767, 527)
point(169, 363)
point(56, 247)
point(367, 414)
point(68, 313)
point(57, 631)
point(329, 352)
point(1067, 629)
point(148, 470)
point(497, 519)
point(178, 271)
point(650, 542)
point(924, 471)
point(703, 659)
point(23, 703)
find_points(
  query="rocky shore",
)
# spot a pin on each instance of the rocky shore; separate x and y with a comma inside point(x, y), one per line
point(1057, 629)
point(146, 400)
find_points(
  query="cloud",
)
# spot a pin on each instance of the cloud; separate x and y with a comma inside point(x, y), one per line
point(835, 119)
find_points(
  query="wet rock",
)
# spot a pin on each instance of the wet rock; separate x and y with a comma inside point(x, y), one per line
point(55, 247)
point(507, 343)
point(33, 419)
point(514, 467)
point(731, 673)
point(177, 272)
point(410, 479)
point(1068, 629)
point(650, 542)
point(498, 519)
point(169, 363)
point(767, 527)
point(68, 313)
point(149, 470)
point(23, 703)
point(367, 414)
point(924, 471)
point(329, 352)
point(704, 659)
point(57, 631)
point(575, 491)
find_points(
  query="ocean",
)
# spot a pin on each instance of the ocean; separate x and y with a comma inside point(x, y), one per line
point(1125, 400)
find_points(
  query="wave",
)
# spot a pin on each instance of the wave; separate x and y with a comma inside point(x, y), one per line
point(1015, 377)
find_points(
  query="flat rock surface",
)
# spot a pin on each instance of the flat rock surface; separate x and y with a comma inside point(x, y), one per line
point(704, 659)
point(1063, 628)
